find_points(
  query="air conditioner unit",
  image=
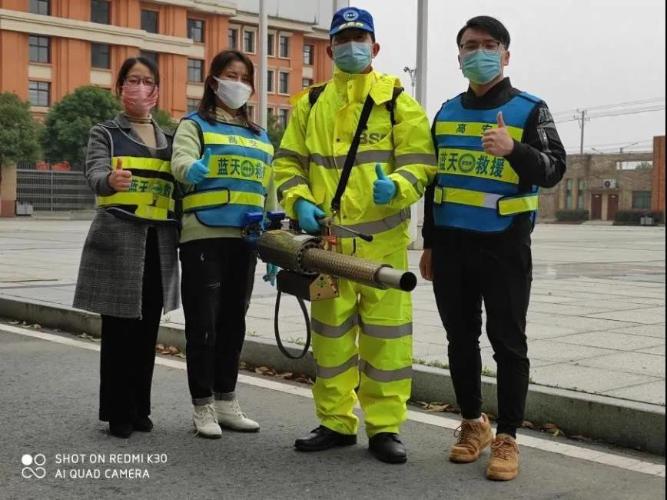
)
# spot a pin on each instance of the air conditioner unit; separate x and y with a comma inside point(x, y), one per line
point(609, 183)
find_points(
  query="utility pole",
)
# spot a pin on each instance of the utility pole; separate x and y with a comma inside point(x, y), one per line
point(262, 56)
point(422, 51)
point(582, 121)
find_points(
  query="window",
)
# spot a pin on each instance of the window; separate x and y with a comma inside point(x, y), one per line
point(151, 56)
point(42, 7)
point(249, 41)
point(284, 46)
point(100, 55)
point(306, 82)
point(568, 193)
point(308, 55)
point(269, 81)
point(641, 200)
point(271, 42)
point(195, 70)
point(196, 30)
point(233, 38)
point(192, 104)
point(282, 118)
point(100, 11)
point(149, 21)
point(40, 93)
point(39, 49)
point(283, 84)
point(581, 191)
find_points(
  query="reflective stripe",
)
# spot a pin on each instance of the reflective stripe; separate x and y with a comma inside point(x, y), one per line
point(466, 197)
point(518, 204)
point(140, 163)
point(333, 331)
point(387, 331)
point(472, 163)
point(330, 372)
point(139, 199)
point(290, 183)
point(209, 199)
point(473, 129)
point(412, 158)
point(378, 226)
point(215, 139)
point(288, 153)
point(384, 375)
point(361, 158)
point(408, 176)
point(506, 205)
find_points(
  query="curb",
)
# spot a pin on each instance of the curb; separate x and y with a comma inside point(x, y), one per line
point(621, 422)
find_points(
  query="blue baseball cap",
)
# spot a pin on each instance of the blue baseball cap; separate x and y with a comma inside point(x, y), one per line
point(351, 17)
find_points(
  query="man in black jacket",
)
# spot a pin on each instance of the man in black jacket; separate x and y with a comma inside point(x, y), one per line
point(496, 145)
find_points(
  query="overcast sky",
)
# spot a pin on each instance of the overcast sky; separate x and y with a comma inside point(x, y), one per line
point(572, 53)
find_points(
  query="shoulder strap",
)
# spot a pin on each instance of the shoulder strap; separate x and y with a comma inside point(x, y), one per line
point(314, 94)
point(391, 105)
point(351, 154)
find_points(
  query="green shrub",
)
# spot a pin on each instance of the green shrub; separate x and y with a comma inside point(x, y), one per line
point(633, 217)
point(576, 215)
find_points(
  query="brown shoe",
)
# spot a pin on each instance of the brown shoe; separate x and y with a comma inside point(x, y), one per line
point(473, 437)
point(504, 461)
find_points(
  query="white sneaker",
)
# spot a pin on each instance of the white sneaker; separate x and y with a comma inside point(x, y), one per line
point(230, 416)
point(205, 421)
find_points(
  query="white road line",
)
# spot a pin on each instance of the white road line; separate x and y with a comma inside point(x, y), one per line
point(565, 449)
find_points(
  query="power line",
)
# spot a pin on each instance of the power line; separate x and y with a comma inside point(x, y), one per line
point(569, 112)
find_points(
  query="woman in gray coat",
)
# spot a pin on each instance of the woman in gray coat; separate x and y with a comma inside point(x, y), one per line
point(129, 268)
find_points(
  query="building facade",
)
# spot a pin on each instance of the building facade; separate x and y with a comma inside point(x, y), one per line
point(48, 48)
point(606, 183)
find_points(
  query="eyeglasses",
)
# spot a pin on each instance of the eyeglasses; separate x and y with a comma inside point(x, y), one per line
point(486, 45)
point(136, 80)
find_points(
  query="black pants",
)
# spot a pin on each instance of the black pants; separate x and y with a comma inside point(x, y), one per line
point(469, 268)
point(217, 280)
point(127, 355)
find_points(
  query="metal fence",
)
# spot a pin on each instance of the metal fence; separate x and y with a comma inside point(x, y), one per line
point(52, 190)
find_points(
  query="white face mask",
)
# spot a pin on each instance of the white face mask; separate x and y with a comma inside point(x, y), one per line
point(232, 93)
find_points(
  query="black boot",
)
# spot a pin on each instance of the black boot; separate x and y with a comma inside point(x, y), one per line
point(120, 429)
point(142, 424)
point(387, 447)
point(323, 438)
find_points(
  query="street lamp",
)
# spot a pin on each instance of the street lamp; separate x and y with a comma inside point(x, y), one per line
point(413, 80)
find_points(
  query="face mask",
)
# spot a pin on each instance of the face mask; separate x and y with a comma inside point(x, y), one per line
point(481, 67)
point(353, 57)
point(233, 94)
point(138, 100)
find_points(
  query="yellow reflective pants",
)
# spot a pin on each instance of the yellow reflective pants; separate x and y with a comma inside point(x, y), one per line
point(380, 364)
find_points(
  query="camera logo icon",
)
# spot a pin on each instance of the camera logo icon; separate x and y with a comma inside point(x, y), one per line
point(33, 466)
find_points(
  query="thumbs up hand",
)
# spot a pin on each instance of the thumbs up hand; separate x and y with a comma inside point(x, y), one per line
point(384, 189)
point(497, 141)
point(199, 169)
point(119, 179)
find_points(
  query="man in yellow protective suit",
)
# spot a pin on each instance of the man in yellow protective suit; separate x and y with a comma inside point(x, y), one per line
point(394, 163)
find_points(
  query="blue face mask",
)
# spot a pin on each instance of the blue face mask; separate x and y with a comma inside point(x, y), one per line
point(353, 57)
point(481, 67)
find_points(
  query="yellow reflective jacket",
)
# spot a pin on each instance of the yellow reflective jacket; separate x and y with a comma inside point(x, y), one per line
point(312, 153)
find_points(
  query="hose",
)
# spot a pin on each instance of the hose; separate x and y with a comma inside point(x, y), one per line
point(276, 330)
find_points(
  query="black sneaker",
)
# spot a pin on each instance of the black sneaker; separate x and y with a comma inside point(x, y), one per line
point(120, 429)
point(323, 438)
point(387, 447)
point(142, 424)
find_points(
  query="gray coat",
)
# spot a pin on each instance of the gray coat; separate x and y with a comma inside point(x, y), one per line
point(112, 262)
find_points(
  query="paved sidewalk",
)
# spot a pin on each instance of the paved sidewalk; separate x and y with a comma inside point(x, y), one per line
point(596, 321)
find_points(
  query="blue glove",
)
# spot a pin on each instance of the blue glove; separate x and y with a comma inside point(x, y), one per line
point(384, 189)
point(308, 214)
point(271, 272)
point(199, 169)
